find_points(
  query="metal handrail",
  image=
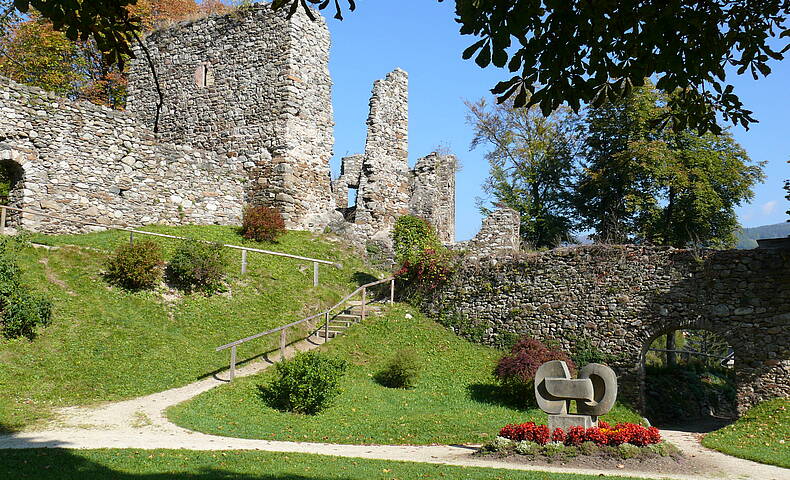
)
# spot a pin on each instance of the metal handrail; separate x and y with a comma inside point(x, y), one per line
point(133, 231)
point(283, 328)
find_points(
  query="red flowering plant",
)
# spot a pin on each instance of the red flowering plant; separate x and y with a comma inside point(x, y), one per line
point(603, 434)
point(516, 370)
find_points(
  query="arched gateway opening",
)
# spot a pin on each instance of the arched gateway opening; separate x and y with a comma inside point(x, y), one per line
point(12, 176)
point(689, 375)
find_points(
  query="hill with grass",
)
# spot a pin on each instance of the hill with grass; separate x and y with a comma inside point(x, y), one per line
point(106, 343)
point(456, 398)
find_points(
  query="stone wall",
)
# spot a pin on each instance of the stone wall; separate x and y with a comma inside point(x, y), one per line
point(433, 193)
point(79, 159)
point(498, 235)
point(623, 297)
point(386, 187)
point(383, 193)
point(254, 87)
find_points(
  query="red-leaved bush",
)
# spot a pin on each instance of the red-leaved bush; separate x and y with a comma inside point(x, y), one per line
point(517, 369)
point(429, 269)
point(603, 434)
point(262, 224)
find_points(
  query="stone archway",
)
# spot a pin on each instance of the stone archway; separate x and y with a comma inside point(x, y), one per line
point(695, 386)
point(619, 297)
point(12, 176)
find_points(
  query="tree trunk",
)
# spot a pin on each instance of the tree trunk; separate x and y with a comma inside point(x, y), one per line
point(671, 359)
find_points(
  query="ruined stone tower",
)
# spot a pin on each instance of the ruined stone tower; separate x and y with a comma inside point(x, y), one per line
point(253, 86)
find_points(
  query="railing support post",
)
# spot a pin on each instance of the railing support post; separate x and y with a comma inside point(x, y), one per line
point(232, 362)
point(392, 291)
point(364, 300)
point(2, 220)
point(243, 262)
point(131, 239)
point(326, 327)
point(315, 274)
point(282, 345)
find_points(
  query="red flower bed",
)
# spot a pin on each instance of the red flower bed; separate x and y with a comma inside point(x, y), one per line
point(603, 434)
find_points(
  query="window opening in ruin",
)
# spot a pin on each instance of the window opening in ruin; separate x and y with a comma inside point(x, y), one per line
point(352, 197)
point(201, 75)
point(696, 369)
point(11, 174)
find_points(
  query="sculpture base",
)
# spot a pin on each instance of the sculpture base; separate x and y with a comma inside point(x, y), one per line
point(567, 421)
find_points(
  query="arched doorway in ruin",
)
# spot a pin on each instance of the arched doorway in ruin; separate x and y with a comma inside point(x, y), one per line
point(688, 374)
point(12, 180)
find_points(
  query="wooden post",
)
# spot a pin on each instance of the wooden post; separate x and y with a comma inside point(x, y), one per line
point(364, 299)
point(243, 262)
point(2, 220)
point(282, 345)
point(131, 239)
point(232, 362)
point(392, 291)
point(315, 274)
point(326, 327)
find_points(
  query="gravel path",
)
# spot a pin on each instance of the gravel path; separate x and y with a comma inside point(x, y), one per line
point(141, 423)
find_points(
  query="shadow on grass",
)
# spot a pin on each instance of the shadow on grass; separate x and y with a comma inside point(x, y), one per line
point(493, 394)
point(61, 464)
point(361, 278)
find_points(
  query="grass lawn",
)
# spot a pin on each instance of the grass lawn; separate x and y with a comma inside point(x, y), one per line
point(107, 344)
point(45, 464)
point(762, 434)
point(455, 400)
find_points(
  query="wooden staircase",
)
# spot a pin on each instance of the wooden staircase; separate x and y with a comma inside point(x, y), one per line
point(350, 316)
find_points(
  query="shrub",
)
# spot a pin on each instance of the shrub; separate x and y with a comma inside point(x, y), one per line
point(22, 312)
point(262, 224)
point(430, 269)
point(197, 266)
point(306, 384)
point(411, 236)
point(499, 444)
point(584, 352)
point(516, 370)
point(137, 266)
point(401, 371)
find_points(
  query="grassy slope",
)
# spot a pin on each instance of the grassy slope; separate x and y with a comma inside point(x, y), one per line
point(107, 344)
point(454, 401)
point(762, 434)
point(241, 465)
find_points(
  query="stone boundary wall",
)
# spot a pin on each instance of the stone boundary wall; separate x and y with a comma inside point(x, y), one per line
point(80, 159)
point(623, 297)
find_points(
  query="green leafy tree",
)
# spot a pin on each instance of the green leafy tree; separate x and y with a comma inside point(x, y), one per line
point(787, 188)
point(533, 161)
point(649, 184)
point(579, 52)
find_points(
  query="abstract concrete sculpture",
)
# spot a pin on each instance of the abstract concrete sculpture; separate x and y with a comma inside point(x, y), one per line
point(594, 392)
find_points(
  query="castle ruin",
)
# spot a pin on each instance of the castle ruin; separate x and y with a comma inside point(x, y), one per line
point(244, 117)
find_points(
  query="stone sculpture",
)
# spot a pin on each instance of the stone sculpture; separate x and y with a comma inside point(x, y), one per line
point(594, 392)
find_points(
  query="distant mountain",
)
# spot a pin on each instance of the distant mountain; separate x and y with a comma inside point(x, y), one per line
point(747, 238)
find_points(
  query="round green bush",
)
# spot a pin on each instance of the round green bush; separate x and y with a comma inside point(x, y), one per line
point(306, 384)
point(22, 312)
point(262, 224)
point(411, 236)
point(197, 266)
point(402, 370)
point(138, 266)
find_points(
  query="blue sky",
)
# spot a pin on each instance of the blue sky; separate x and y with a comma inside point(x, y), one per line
point(421, 37)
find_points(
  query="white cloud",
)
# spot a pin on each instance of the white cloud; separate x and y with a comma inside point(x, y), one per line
point(768, 207)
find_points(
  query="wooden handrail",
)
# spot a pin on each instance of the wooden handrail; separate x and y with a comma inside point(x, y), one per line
point(283, 328)
point(133, 231)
